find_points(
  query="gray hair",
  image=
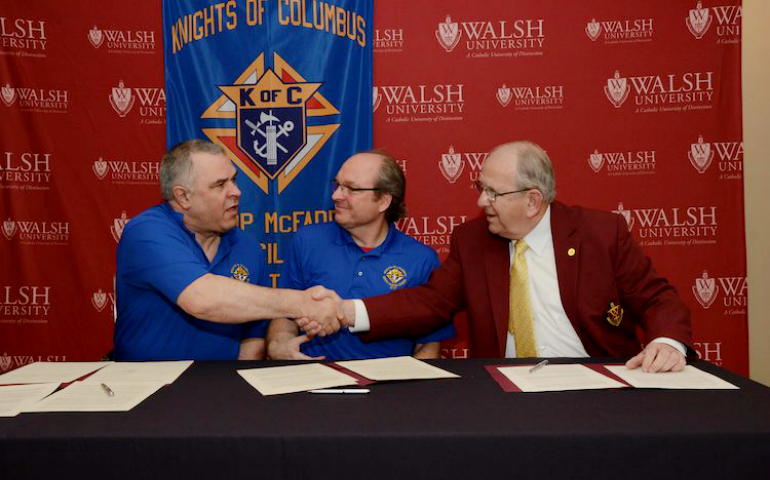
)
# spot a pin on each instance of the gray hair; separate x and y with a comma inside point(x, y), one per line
point(176, 167)
point(533, 167)
point(391, 180)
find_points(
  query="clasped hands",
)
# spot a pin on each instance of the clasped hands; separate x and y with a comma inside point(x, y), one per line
point(324, 312)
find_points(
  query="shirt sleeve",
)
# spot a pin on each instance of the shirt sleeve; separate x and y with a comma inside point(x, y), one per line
point(155, 256)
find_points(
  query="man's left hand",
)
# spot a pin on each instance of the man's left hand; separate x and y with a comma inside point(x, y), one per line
point(658, 357)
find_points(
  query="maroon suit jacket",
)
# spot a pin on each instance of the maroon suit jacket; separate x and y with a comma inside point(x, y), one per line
point(607, 266)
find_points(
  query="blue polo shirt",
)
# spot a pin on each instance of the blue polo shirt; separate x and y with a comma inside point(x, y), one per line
point(326, 254)
point(158, 257)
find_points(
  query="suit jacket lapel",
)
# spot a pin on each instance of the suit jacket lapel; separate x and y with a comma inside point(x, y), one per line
point(566, 240)
point(497, 262)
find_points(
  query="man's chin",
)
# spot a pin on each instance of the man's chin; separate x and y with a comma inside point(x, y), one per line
point(494, 226)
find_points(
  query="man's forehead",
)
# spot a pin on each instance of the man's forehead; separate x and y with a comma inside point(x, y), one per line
point(499, 166)
point(360, 167)
point(212, 167)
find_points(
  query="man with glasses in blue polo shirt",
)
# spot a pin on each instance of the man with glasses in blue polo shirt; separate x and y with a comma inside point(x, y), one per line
point(189, 284)
point(360, 254)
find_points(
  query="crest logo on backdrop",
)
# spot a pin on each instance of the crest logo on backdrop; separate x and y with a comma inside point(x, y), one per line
point(593, 29)
point(732, 290)
point(118, 225)
point(705, 290)
point(729, 157)
point(9, 228)
point(271, 138)
point(122, 99)
point(698, 21)
point(96, 37)
point(451, 165)
point(701, 155)
point(448, 34)
point(8, 95)
point(616, 90)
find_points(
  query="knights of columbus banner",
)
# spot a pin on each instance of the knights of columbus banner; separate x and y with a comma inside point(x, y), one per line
point(285, 87)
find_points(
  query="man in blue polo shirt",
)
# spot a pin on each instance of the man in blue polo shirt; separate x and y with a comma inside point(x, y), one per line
point(187, 279)
point(359, 255)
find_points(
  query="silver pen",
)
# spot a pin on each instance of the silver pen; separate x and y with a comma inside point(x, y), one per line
point(108, 390)
point(538, 366)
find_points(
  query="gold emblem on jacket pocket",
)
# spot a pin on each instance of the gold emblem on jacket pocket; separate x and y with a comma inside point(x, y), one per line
point(615, 314)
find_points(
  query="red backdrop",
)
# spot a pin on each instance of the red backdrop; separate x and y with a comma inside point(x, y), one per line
point(638, 105)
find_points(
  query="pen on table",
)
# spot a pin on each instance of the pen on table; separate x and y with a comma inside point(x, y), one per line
point(341, 390)
point(538, 366)
point(108, 390)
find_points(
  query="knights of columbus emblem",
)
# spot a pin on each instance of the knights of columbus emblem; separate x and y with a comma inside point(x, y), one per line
point(271, 138)
point(395, 277)
point(240, 272)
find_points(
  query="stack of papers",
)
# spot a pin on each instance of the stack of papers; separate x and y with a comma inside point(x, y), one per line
point(556, 378)
point(50, 372)
point(314, 376)
point(15, 398)
point(115, 387)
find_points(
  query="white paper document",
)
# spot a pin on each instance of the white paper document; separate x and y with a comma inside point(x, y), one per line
point(94, 397)
point(50, 372)
point(395, 368)
point(690, 378)
point(295, 378)
point(164, 372)
point(14, 398)
point(557, 378)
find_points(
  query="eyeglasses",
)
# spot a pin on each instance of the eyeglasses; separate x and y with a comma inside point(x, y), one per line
point(348, 190)
point(491, 194)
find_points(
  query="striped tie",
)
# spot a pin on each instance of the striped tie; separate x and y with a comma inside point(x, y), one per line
point(520, 319)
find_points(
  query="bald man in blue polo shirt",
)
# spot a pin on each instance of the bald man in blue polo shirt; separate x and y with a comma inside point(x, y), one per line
point(360, 254)
point(190, 285)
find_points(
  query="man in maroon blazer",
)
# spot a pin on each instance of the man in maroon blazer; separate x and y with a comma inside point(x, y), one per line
point(590, 284)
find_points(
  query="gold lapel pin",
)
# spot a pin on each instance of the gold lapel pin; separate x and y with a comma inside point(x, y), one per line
point(571, 252)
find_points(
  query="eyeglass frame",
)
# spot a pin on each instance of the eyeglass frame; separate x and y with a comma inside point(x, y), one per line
point(347, 190)
point(492, 195)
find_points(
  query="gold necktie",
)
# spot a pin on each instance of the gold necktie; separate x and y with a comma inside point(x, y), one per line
point(521, 322)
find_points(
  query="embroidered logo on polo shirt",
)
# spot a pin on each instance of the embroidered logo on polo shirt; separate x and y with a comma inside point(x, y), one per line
point(395, 277)
point(240, 272)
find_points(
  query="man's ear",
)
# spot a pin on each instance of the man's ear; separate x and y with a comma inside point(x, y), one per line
point(385, 200)
point(534, 202)
point(182, 196)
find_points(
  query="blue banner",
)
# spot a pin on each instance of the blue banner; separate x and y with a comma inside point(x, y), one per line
point(285, 87)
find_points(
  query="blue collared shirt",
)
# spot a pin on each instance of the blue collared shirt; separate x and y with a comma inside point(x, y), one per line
point(158, 257)
point(326, 255)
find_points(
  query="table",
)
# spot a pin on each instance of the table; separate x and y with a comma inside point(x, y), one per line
point(212, 424)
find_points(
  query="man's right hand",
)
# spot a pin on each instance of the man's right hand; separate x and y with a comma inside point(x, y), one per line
point(288, 348)
point(322, 312)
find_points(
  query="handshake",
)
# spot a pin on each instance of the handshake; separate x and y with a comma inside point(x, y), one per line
point(323, 312)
